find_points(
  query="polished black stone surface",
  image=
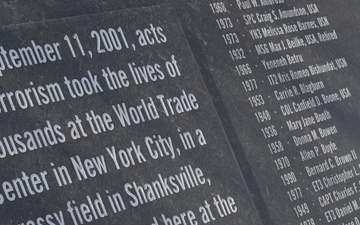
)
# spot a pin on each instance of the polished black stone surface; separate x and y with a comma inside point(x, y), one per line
point(286, 88)
point(20, 11)
point(106, 120)
point(283, 78)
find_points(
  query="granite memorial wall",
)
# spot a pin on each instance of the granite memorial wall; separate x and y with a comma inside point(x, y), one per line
point(196, 112)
